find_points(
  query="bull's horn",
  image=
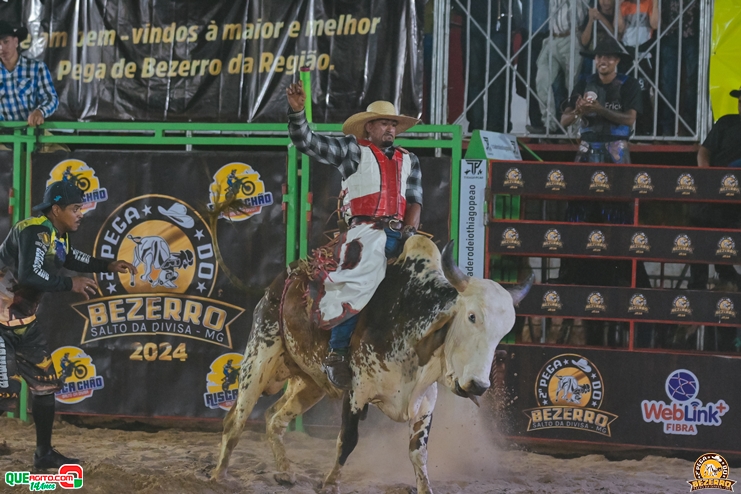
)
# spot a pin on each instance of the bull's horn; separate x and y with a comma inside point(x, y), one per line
point(519, 292)
point(452, 272)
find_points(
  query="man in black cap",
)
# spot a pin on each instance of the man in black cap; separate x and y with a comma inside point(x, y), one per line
point(30, 258)
point(605, 104)
point(26, 88)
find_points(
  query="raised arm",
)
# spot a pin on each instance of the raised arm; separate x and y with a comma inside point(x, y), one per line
point(340, 152)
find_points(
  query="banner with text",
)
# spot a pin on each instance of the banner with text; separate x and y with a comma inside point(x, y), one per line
point(224, 60)
point(175, 330)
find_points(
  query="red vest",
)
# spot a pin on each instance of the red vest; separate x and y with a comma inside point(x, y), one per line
point(387, 199)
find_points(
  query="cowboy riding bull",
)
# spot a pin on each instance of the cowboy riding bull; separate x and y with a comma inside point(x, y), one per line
point(427, 322)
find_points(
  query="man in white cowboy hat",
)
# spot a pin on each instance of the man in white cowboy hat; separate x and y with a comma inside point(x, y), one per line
point(382, 199)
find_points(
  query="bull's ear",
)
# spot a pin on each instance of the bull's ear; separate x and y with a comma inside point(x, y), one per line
point(431, 342)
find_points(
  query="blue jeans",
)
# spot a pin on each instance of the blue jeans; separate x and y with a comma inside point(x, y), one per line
point(668, 82)
point(342, 333)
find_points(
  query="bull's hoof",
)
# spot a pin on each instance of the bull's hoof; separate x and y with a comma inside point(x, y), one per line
point(218, 475)
point(285, 478)
point(329, 489)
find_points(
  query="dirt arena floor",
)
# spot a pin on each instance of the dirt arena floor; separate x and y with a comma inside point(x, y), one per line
point(463, 458)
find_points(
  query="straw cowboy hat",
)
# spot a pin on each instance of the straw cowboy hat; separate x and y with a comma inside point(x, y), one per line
point(355, 125)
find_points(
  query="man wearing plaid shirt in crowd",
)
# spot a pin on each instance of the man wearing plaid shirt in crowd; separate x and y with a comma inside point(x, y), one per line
point(382, 202)
point(26, 89)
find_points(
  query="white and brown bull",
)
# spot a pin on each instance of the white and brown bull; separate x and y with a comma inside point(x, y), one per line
point(427, 322)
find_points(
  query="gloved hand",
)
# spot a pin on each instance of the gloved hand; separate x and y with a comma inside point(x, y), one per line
point(408, 231)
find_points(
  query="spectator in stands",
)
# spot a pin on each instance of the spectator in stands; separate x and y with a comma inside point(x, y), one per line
point(671, 64)
point(604, 105)
point(602, 20)
point(27, 90)
point(637, 20)
point(722, 148)
point(558, 54)
point(490, 20)
point(534, 30)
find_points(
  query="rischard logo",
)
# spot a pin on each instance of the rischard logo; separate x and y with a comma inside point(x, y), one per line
point(684, 413)
point(77, 372)
point(69, 477)
point(83, 176)
point(238, 181)
point(222, 382)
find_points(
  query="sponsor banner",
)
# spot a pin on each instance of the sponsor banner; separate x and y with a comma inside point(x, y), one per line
point(605, 180)
point(159, 332)
point(670, 244)
point(640, 304)
point(224, 60)
point(326, 186)
point(472, 226)
point(629, 398)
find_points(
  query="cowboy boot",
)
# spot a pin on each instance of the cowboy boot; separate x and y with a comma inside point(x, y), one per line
point(337, 368)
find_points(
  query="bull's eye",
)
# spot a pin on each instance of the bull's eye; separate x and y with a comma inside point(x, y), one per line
point(472, 318)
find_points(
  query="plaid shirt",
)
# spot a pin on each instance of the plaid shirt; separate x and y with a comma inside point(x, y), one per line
point(344, 153)
point(27, 88)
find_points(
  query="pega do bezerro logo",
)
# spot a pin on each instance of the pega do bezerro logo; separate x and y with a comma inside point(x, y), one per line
point(600, 182)
point(711, 471)
point(596, 242)
point(513, 179)
point(556, 181)
point(684, 413)
point(726, 248)
point(551, 301)
point(683, 245)
point(639, 243)
point(172, 248)
point(78, 374)
point(685, 184)
point(552, 239)
point(681, 307)
point(80, 174)
point(569, 391)
point(729, 186)
point(642, 183)
point(240, 182)
point(222, 381)
point(510, 238)
point(595, 303)
point(638, 305)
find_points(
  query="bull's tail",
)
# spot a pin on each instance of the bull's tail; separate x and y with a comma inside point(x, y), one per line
point(261, 358)
point(136, 240)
